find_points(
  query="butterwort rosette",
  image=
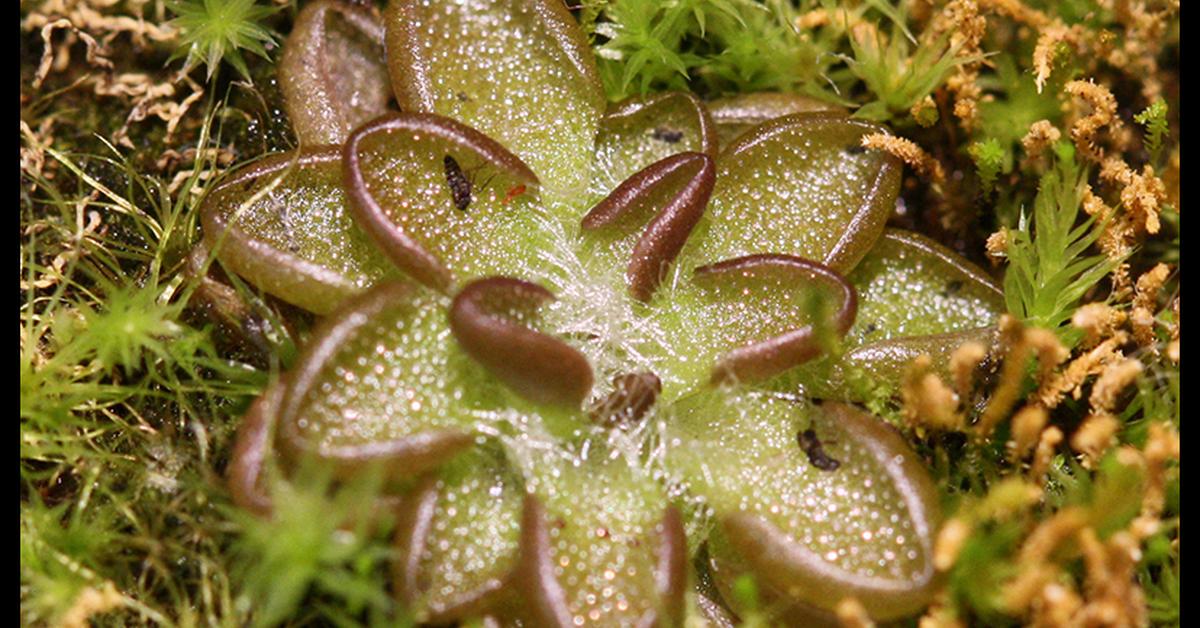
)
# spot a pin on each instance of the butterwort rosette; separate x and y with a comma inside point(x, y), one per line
point(602, 352)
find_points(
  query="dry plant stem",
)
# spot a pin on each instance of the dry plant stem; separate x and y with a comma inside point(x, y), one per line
point(928, 402)
point(1072, 378)
point(963, 362)
point(910, 153)
point(1027, 426)
point(1103, 114)
point(1005, 395)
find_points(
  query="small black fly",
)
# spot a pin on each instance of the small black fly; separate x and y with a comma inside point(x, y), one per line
point(855, 149)
point(816, 452)
point(952, 288)
point(460, 185)
point(664, 134)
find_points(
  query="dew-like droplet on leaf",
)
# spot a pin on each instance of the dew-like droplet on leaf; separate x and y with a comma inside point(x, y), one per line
point(639, 131)
point(519, 71)
point(457, 537)
point(750, 318)
point(283, 223)
point(668, 197)
point(332, 71)
point(809, 535)
point(734, 115)
point(617, 557)
point(379, 383)
point(910, 285)
point(405, 174)
point(915, 297)
point(798, 185)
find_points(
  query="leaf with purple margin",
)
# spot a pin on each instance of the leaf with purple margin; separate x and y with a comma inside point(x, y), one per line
point(748, 318)
point(457, 536)
point(735, 115)
point(639, 131)
point(332, 72)
point(379, 383)
point(798, 185)
point(668, 197)
point(615, 558)
point(434, 195)
point(520, 71)
point(810, 534)
point(292, 234)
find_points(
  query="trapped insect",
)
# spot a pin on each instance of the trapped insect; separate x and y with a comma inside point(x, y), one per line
point(668, 135)
point(513, 192)
point(816, 451)
point(460, 185)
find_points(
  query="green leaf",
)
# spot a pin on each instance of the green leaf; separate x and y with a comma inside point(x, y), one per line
point(600, 545)
point(747, 319)
point(522, 74)
point(915, 297)
point(736, 115)
point(811, 534)
point(446, 203)
point(642, 130)
point(1154, 118)
point(910, 285)
point(989, 158)
point(284, 224)
point(370, 387)
point(798, 185)
point(217, 30)
point(457, 536)
point(332, 71)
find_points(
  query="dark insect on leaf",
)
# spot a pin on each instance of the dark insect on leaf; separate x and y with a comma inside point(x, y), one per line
point(633, 394)
point(664, 134)
point(854, 149)
point(816, 452)
point(952, 287)
point(460, 185)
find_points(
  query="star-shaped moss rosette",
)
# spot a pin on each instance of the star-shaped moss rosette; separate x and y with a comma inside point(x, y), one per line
point(579, 339)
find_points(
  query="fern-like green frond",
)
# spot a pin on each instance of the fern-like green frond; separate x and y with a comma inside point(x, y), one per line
point(1049, 271)
point(1154, 118)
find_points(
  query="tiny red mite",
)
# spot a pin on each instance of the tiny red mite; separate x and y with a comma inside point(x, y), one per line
point(513, 192)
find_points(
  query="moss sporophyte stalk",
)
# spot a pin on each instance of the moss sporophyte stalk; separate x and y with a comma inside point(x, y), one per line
point(603, 355)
